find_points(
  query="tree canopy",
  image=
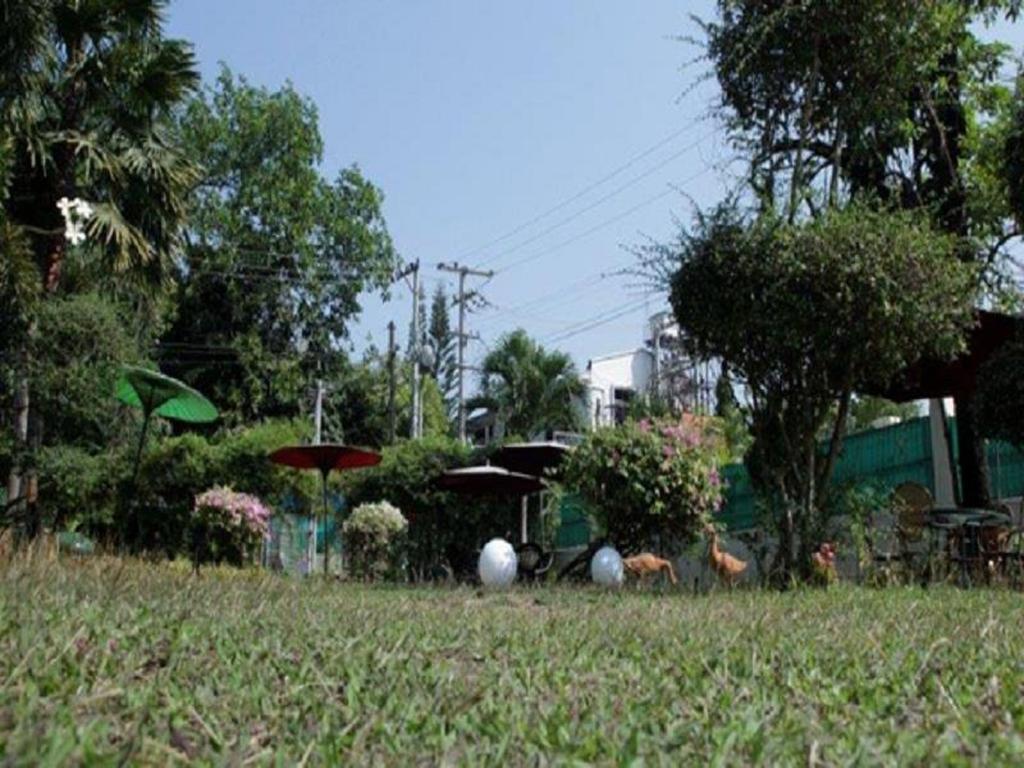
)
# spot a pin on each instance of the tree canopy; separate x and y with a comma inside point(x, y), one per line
point(807, 313)
point(86, 94)
point(277, 256)
point(531, 388)
point(898, 101)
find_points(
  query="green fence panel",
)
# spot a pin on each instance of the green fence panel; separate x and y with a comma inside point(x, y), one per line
point(574, 528)
point(1006, 470)
point(884, 457)
point(739, 511)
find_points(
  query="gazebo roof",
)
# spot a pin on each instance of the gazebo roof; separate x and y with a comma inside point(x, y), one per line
point(931, 378)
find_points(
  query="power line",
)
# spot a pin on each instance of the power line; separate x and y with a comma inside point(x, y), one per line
point(617, 191)
point(573, 289)
point(607, 223)
point(589, 188)
point(597, 321)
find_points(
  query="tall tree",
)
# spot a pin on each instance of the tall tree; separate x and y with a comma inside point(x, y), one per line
point(86, 89)
point(896, 99)
point(531, 388)
point(277, 256)
point(806, 314)
point(445, 370)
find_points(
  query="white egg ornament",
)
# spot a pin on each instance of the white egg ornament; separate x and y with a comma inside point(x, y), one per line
point(498, 564)
point(606, 567)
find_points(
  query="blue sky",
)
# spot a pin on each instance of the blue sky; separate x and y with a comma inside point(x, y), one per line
point(478, 118)
point(475, 118)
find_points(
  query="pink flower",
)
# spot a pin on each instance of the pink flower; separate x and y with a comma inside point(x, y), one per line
point(644, 425)
point(235, 510)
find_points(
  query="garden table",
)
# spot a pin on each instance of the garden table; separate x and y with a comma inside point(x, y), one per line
point(967, 524)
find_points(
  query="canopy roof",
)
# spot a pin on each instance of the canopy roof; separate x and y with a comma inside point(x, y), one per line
point(155, 393)
point(931, 378)
point(324, 457)
point(488, 480)
point(539, 459)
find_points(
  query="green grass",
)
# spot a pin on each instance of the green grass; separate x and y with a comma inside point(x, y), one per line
point(102, 662)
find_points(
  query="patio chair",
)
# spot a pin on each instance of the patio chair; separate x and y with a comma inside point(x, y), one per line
point(911, 503)
point(999, 547)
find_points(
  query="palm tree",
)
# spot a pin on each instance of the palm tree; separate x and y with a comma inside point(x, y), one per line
point(86, 90)
point(531, 389)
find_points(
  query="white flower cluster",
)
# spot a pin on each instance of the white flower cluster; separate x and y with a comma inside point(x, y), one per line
point(378, 522)
point(75, 213)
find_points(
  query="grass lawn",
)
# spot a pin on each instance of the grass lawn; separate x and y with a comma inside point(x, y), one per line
point(102, 662)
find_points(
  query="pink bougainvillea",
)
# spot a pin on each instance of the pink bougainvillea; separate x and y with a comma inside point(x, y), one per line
point(651, 480)
point(237, 521)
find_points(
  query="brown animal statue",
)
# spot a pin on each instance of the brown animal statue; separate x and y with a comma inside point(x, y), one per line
point(644, 565)
point(725, 566)
point(824, 563)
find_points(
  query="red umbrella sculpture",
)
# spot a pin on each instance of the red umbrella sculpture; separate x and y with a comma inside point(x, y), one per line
point(324, 458)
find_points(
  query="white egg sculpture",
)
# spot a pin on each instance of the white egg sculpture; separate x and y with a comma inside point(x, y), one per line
point(498, 564)
point(606, 567)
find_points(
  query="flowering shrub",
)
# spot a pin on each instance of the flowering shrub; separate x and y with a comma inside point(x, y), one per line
point(229, 526)
point(371, 533)
point(648, 481)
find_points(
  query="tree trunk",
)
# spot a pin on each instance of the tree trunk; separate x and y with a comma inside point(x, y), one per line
point(16, 481)
point(974, 477)
point(950, 128)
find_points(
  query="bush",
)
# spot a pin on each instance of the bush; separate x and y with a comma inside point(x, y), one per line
point(371, 534)
point(445, 529)
point(647, 482)
point(176, 469)
point(79, 488)
point(228, 527)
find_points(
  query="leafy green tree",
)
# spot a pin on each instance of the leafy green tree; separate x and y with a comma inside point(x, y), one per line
point(86, 89)
point(445, 370)
point(81, 344)
point(806, 314)
point(277, 256)
point(356, 405)
point(895, 99)
point(531, 388)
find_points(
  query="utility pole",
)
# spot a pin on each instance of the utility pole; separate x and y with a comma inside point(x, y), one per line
point(463, 272)
point(414, 343)
point(391, 382)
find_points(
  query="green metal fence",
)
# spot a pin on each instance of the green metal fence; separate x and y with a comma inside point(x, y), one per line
point(884, 457)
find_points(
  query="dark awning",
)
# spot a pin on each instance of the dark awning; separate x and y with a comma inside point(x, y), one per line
point(490, 481)
point(928, 378)
point(532, 458)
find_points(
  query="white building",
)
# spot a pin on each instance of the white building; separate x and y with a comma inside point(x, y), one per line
point(612, 382)
point(658, 368)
